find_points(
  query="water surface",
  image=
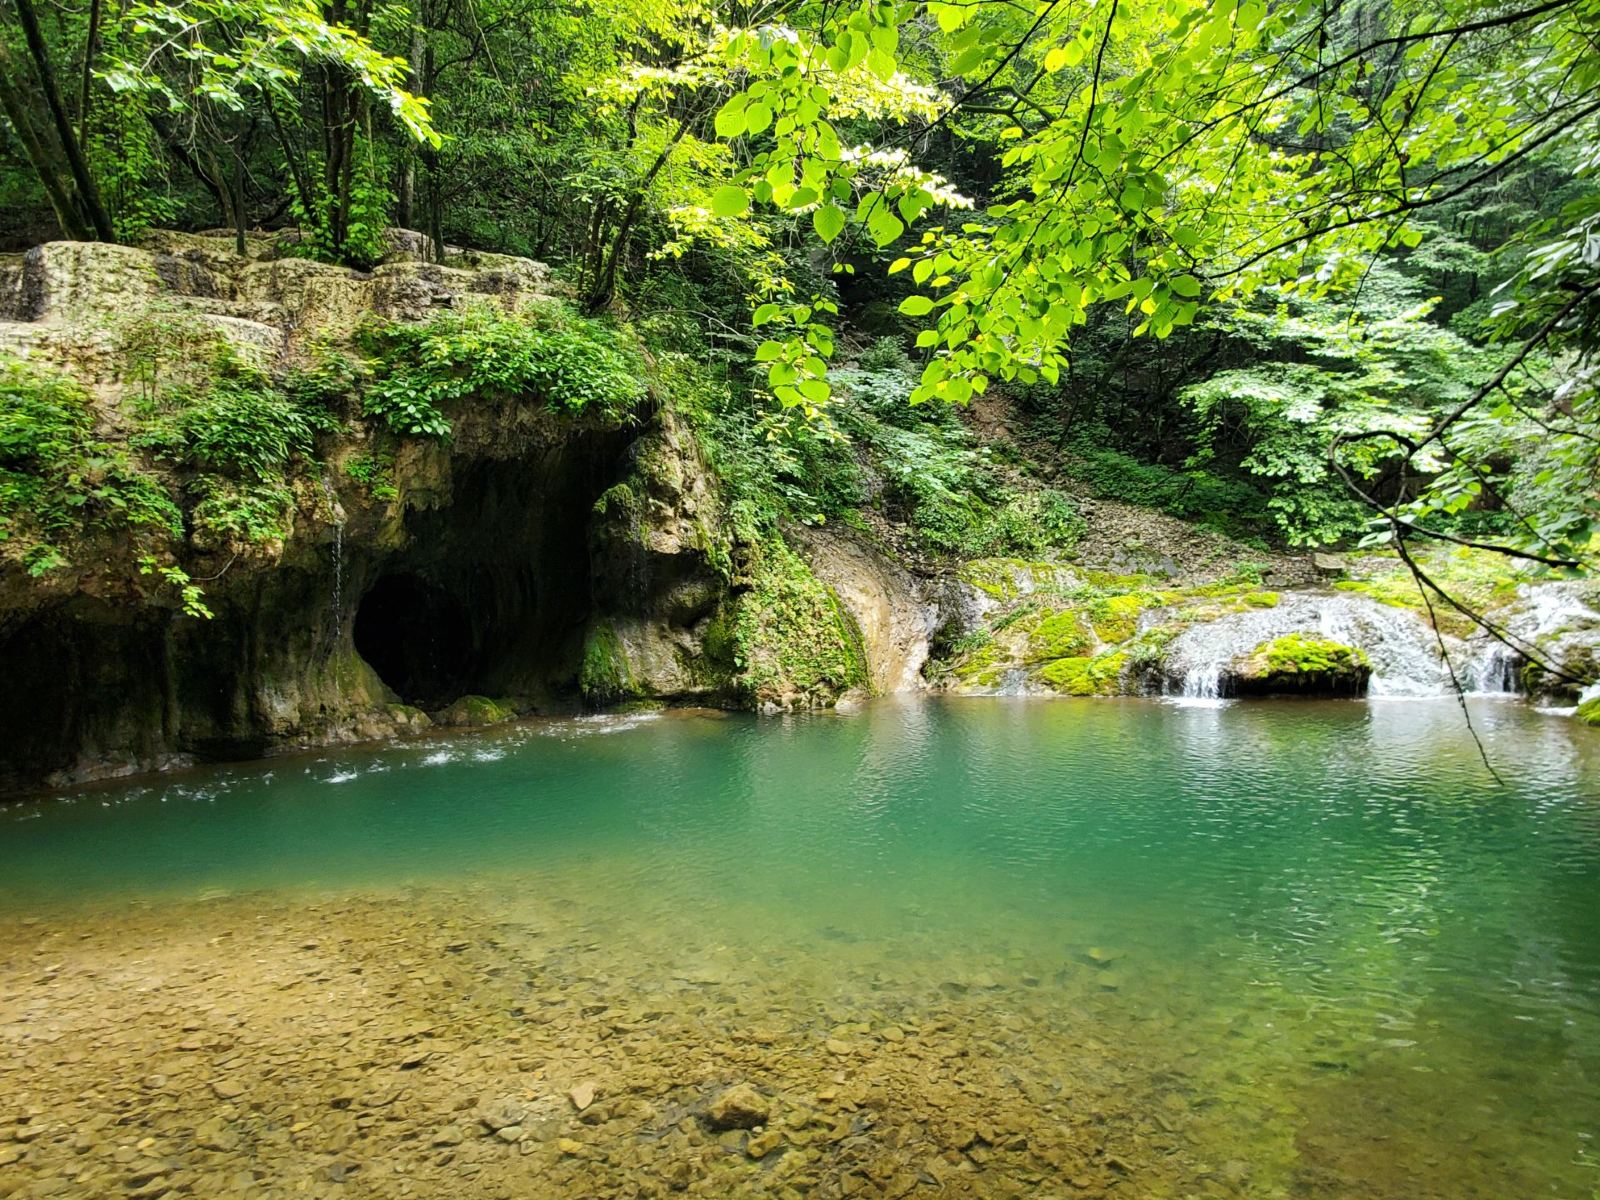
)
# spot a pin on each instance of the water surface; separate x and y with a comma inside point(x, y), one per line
point(1375, 970)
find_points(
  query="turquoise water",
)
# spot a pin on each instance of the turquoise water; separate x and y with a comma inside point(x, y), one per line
point(1365, 953)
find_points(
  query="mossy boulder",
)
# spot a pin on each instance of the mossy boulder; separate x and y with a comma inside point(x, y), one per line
point(1589, 713)
point(1302, 664)
point(408, 716)
point(1580, 666)
point(1058, 635)
point(606, 675)
point(1080, 675)
point(477, 710)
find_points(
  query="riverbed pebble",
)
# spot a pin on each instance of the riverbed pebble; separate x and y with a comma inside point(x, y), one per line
point(458, 1043)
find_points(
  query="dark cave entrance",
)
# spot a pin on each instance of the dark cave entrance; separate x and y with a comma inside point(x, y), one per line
point(418, 638)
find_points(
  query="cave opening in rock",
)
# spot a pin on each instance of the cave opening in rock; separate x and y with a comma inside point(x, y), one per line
point(417, 637)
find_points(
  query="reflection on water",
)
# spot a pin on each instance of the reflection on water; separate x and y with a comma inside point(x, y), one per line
point(1378, 971)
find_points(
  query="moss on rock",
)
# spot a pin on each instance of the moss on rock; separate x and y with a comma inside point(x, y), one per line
point(1116, 618)
point(606, 676)
point(477, 710)
point(795, 643)
point(1059, 634)
point(1080, 675)
point(1303, 664)
point(1589, 713)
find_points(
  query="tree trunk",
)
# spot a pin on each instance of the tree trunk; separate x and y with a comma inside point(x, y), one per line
point(239, 218)
point(56, 188)
point(297, 169)
point(406, 184)
point(91, 51)
point(88, 193)
point(605, 283)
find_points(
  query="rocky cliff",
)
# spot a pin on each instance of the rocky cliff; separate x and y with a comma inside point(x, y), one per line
point(403, 578)
point(235, 516)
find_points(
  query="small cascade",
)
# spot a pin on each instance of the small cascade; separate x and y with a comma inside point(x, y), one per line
point(336, 511)
point(1492, 670)
point(1557, 623)
point(1202, 683)
point(1401, 646)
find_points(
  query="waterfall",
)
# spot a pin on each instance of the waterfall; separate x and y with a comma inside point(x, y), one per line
point(1492, 669)
point(1553, 622)
point(1558, 619)
point(1202, 683)
point(1400, 644)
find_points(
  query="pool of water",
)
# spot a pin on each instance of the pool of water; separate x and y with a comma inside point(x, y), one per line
point(1374, 968)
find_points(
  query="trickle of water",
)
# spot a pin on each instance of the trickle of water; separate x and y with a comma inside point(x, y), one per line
point(1202, 683)
point(1492, 670)
point(337, 511)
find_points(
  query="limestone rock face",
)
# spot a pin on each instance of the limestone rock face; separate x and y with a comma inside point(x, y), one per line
point(662, 562)
point(267, 297)
point(470, 577)
point(897, 613)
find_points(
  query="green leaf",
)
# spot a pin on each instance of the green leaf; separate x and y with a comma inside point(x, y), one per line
point(916, 306)
point(730, 119)
point(969, 59)
point(828, 221)
point(756, 118)
point(730, 201)
point(884, 226)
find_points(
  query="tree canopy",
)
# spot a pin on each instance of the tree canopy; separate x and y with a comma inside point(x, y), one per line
point(1345, 253)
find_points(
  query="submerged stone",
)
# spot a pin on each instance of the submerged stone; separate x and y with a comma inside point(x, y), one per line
point(739, 1107)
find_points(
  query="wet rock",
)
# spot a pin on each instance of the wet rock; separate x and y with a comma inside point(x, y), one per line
point(499, 1114)
point(763, 1144)
point(215, 1135)
point(450, 1135)
point(582, 1096)
point(570, 1147)
point(738, 1107)
point(227, 1089)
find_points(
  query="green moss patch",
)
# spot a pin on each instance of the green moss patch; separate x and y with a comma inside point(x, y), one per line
point(791, 634)
point(477, 710)
point(605, 676)
point(1301, 663)
point(1058, 635)
point(1116, 618)
point(1083, 676)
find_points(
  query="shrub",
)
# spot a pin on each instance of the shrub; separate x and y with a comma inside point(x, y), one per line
point(244, 511)
point(56, 479)
point(548, 352)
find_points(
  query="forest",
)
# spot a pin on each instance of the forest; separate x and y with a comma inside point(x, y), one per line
point(1315, 273)
point(800, 599)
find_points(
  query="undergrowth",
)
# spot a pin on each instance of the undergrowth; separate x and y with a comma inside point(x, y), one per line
point(545, 352)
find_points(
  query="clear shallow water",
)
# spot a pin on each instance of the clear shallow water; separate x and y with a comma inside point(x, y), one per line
point(1378, 971)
